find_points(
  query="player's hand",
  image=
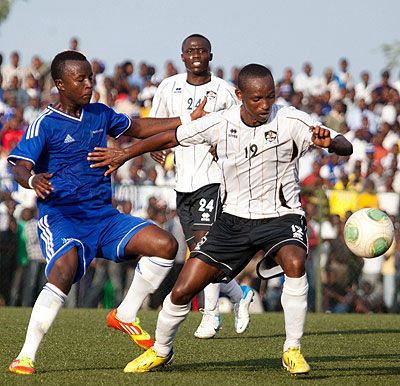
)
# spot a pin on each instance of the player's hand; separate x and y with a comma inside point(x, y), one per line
point(41, 184)
point(199, 112)
point(321, 137)
point(160, 156)
point(213, 152)
point(104, 156)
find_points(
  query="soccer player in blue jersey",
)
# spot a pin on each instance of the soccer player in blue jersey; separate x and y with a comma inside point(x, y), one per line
point(77, 221)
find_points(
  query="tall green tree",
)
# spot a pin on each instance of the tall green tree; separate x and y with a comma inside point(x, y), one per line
point(391, 51)
point(5, 6)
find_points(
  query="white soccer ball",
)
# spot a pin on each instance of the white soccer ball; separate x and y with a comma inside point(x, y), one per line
point(368, 232)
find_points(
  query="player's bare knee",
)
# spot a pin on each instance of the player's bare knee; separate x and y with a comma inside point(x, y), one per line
point(294, 267)
point(167, 247)
point(62, 277)
point(180, 295)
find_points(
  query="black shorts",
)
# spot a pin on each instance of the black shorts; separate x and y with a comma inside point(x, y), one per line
point(233, 241)
point(198, 210)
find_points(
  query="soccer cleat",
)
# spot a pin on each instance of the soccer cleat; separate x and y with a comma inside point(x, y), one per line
point(23, 365)
point(210, 324)
point(138, 335)
point(148, 361)
point(241, 310)
point(294, 362)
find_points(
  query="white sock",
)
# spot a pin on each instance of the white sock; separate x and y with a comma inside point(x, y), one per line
point(169, 319)
point(43, 314)
point(211, 298)
point(294, 303)
point(233, 290)
point(149, 274)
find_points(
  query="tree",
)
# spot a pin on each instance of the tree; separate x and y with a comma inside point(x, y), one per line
point(391, 51)
point(5, 6)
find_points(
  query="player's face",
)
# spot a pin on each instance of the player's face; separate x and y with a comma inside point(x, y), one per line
point(196, 55)
point(257, 96)
point(76, 84)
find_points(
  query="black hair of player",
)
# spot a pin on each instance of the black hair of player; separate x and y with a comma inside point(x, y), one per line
point(58, 63)
point(252, 71)
point(197, 36)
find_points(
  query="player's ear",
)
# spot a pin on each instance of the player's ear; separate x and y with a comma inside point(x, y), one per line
point(211, 56)
point(238, 94)
point(183, 60)
point(59, 84)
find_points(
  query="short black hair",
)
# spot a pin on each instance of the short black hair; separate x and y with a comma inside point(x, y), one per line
point(197, 36)
point(58, 63)
point(252, 71)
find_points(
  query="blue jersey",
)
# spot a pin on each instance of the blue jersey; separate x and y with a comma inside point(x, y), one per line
point(59, 143)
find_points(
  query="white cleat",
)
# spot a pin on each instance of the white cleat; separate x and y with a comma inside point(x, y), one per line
point(209, 325)
point(241, 310)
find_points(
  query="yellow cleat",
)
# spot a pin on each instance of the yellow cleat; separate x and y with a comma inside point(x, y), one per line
point(148, 361)
point(294, 362)
point(24, 365)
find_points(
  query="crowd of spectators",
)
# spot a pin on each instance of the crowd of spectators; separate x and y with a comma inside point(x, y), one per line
point(367, 114)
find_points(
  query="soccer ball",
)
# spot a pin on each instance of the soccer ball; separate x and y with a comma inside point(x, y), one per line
point(368, 232)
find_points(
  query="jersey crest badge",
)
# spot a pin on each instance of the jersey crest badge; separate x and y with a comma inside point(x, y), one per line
point(178, 90)
point(211, 94)
point(270, 136)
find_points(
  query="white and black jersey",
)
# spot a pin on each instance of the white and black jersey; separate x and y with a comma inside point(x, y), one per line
point(176, 97)
point(259, 164)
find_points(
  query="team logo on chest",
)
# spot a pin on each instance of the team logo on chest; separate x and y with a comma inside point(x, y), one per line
point(178, 90)
point(270, 137)
point(69, 139)
point(232, 133)
point(211, 94)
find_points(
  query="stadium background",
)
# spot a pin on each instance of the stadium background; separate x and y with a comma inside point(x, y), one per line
point(366, 113)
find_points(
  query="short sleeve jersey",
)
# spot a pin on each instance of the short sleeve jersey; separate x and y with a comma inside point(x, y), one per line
point(59, 143)
point(175, 97)
point(259, 164)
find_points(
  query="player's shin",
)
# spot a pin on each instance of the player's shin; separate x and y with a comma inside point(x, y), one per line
point(149, 274)
point(43, 314)
point(211, 298)
point(294, 303)
point(232, 290)
point(169, 319)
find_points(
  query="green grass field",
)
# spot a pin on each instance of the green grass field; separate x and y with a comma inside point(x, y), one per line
point(81, 350)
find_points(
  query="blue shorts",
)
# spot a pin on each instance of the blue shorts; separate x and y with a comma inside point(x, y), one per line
point(104, 237)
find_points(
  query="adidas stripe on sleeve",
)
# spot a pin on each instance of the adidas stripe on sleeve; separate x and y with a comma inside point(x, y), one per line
point(32, 142)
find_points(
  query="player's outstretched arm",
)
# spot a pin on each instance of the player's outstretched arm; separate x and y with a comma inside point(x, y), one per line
point(38, 182)
point(147, 127)
point(114, 157)
point(322, 137)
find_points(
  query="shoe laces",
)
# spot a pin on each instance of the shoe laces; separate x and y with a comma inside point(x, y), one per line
point(26, 361)
point(142, 359)
point(208, 317)
point(239, 311)
point(295, 352)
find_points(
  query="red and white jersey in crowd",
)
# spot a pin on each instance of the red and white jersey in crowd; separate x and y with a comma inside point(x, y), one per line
point(259, 164)
point(194, 165)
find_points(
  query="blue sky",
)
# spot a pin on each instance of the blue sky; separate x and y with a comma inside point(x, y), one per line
point(278, 34)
